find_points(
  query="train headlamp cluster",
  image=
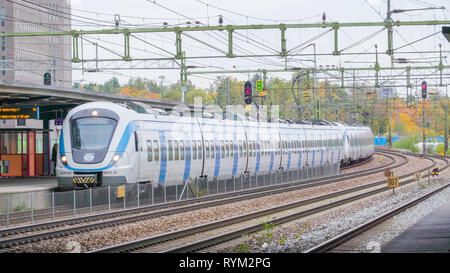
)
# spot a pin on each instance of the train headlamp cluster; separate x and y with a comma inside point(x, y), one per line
point(64, 159)
point(115, 158)
point(95, 113)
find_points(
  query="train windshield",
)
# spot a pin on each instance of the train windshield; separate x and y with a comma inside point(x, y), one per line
point(93, 133)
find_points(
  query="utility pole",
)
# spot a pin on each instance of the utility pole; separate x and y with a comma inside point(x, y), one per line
point(228, 90)
point(162, 78)
point(423, 126)
point(446, 122)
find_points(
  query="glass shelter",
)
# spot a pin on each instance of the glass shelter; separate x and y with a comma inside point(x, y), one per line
point(24, 153)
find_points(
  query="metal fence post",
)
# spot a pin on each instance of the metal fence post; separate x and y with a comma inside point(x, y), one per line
point(234, 183)
point(125, 197)
point(74, 204)
point(165, 200)
point(138, 193)
point(153, 195)
point(217, 184)
point(31, 210)
point(198, 190)
point(176, 192)
point(207, 187)
point(7, 210)
point(109, 197)
point(90, 200)
point(53, 205)
point(242, 181)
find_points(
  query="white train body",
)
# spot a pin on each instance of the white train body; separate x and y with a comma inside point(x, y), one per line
point(108, 144)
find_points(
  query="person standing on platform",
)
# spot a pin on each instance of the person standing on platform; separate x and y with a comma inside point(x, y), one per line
point(54, 157)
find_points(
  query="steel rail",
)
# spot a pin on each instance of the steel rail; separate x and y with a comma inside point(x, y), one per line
point(178, 208)
point(202, 244)
point(340, 239)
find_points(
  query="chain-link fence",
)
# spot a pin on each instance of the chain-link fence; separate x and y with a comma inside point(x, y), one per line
point(32, 207)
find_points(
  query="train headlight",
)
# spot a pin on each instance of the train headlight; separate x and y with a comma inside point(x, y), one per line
point(95, 113)
point(64, 159)
point(115, 158)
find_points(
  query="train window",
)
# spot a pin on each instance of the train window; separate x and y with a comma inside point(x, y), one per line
point(194, 149)
point(245, 147)
point(212, 149)
point(188, 150)
point(200, 149)
point(163, 151)
point(136, 141)
point(207, 155)
point(149, 150)
point(156, 150)
point(227, 149)
point(176, 149)
point(232, 148)
point(222, 148)
point(170, 150)
point(181, 149)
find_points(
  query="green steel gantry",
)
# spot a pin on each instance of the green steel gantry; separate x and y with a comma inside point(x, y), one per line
point(230, 29)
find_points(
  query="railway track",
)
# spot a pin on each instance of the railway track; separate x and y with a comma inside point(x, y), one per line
point(129, 215)
point(218, 232)
point(353, 233)
point(41, 215)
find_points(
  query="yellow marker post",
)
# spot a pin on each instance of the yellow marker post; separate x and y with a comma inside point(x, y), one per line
point(393, 182)
point(380, 158)
point(121, 192)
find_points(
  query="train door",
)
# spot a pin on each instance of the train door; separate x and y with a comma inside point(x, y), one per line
point(142, 151)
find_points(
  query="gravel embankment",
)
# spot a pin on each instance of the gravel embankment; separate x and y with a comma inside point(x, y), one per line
point(304, 234)
point(133, 231)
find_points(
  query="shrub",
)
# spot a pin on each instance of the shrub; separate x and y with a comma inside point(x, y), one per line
point(408, 143)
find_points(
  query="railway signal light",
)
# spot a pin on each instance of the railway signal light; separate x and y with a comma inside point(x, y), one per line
point(248, 96)
point(47, 78)
point(424, 90)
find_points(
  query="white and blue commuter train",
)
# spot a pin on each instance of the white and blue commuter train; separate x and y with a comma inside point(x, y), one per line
point(111, 144)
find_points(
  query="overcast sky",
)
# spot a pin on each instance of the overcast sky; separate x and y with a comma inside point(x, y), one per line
point(138, 13)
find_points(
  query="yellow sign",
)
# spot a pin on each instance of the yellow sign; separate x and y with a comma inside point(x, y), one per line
point(380, 158)
point(121, 192)
point(248, 107)
point(393, 181)
point(417, 176)
point(259, 86)
point(262, 93)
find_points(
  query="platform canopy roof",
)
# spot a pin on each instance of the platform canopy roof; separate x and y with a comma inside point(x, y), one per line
point(51, 99)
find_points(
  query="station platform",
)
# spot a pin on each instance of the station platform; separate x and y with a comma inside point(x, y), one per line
point(430, 235)
point(32, 184)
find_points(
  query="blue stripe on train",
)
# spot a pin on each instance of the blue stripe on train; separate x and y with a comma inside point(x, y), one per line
point(236, 155)
point(187, 164)
point(321, 158)
point(313, 159)
point(271, 160)
point(258, 152)
point(289, 156)
point(299, 159)
point(163, 166)
point(217, 148)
